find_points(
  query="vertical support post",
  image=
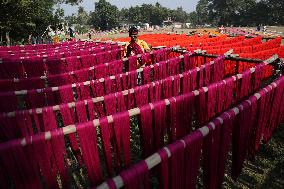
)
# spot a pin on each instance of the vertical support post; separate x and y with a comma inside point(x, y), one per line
point(237, 67)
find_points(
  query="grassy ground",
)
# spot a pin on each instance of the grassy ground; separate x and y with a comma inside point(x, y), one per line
point(266, 171)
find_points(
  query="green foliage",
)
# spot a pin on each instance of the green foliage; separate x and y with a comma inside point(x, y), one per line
point(81, 29)
point(134, 15)
point(179, 15)
point(158, 14)
point(216, 12)
point(202, 12)
point(240, 12)
point(59, 15)
point(21, 17)
point(105, 16)
point(71, 19)
point(71, 2)
point(193, 18)
point(83, 17)
point(153, 14)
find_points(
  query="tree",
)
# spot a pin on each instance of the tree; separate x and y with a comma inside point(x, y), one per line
point(59, 15)
point(82, 16)
point(202, 12)
point(71, 2)
point(20, 17)
point(158, 14)
point(241, 12)
point(71, 19)
point(123, 15)
point(152, 14)
point(276, 11)
point(193, 18)
point(146, 13)
point(105, 16)
point(179, 15)
point(245, 13)
point(135, 15)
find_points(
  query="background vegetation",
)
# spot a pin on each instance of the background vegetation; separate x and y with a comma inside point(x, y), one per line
point(21, 17)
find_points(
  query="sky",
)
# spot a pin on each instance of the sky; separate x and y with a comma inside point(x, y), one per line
point(89, 5)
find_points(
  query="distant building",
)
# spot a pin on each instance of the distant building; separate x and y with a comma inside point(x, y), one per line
point(177, 25)
point(168, 22)
point(144, 26)
point(172, 24)
point(187, 25)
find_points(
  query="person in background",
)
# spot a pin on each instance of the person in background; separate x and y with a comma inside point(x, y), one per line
point(55, 38)
point(71, 32)
point(222, 29)
point(34, 40)
point(90, 35)
point(39, 40)
point(135, 46)
point(62, 37)
point(8, 41)
point(264, 28)
point(30, 38)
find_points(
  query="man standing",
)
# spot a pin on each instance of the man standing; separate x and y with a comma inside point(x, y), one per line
point(222, 30)
point(135, 46)
point(71, 32)
point(89, 35)
point(30, 38)
point(8, 39)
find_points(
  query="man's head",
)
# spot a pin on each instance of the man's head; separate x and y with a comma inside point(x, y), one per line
point(133, 33)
